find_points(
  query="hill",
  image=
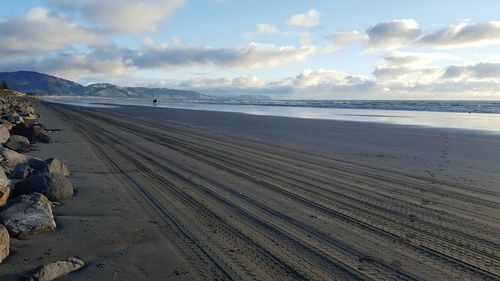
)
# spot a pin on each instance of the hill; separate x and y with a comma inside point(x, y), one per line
point(34, 82)
point(40, 83)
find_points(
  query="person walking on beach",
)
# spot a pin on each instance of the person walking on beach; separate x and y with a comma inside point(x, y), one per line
point(155, 102)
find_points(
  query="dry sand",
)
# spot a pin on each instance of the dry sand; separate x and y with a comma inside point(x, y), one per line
point(168, 194)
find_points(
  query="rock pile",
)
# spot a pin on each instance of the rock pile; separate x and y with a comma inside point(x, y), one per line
point(27, 184)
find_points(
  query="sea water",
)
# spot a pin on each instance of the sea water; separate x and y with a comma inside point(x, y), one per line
point(469, 115)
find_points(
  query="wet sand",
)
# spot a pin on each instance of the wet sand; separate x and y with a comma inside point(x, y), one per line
point(166, 194)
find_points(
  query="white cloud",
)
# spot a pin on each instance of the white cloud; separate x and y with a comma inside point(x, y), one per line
point(127, 16)
point(253, 55)
point(265, 28)
point(417, 60)
point(310, 78)
point(464, 35)
point(41, 32)
point(109, 61)
point(319, 84)
point(340, 39)
point(393, 34)
point(242, 82)
point(478, 71)
point(332, 84)
point(309, 20)
point(410, 67)
point(406, 32)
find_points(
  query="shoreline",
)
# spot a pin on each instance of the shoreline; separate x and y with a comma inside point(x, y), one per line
point(481, 123)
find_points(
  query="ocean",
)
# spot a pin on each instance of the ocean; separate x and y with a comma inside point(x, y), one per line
point(481, 116)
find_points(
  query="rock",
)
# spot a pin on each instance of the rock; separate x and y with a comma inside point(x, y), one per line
point(55, 186)
point(56, 166)
point(34, 133)
point(18, 139)
point(25, 108)
point(16, 119)
point(17, 142)
point(22, 171)
point(43, 138)
point(27, 116)
point(51, 165)
point(4, 181)
point(38, 166)
point(4, 243)
point(11, 157)
point(4, 134)
point(28, 215)
point(55, 270)
point(4, 195)
point(7, 124)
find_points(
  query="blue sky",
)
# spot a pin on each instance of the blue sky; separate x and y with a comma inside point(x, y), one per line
point(285, 49)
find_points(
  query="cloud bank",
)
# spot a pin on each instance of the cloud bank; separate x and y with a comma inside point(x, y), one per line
point(124, 16)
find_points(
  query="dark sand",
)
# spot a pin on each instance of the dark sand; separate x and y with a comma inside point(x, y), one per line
point(165, 194)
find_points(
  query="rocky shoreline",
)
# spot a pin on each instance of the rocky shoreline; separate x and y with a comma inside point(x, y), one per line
point(29, 187)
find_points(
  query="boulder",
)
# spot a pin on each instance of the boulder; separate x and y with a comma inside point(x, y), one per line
point(55, 186)
point(4, 180)
point(43, 138)
point(27, 115)
point(28, 215)
point(38, 166)
point(12, 158)
point(7, 124)
point(34, 132)
point(56, 166)
point(17, 142)
point(4, 134)
point(4, 195)
point(18, 139)
point(4, 243)
point(22, 171)
point(16, 119)
point(55, 270)
point(25, 108)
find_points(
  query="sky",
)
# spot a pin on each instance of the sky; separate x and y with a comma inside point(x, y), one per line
point(285, 49)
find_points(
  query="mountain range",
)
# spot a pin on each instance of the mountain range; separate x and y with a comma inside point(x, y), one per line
point(39, 83)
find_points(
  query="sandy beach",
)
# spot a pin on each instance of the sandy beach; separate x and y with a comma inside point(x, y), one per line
point(172, 194)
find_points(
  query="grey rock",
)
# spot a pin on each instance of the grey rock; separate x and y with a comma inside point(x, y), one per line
point(55, 186)
point(4, 195)
point(17, 142)
point(12, 158)
point(34, 132)
point(28, 215)
point(5, 186)
point(22, 171)
point(56, 166)
point(43, 138)
point(55, 270)
point(4, 134)
point(7, 124)
point(38, 166)
point(4, 243)
point(16, 119)
point(4, 181)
